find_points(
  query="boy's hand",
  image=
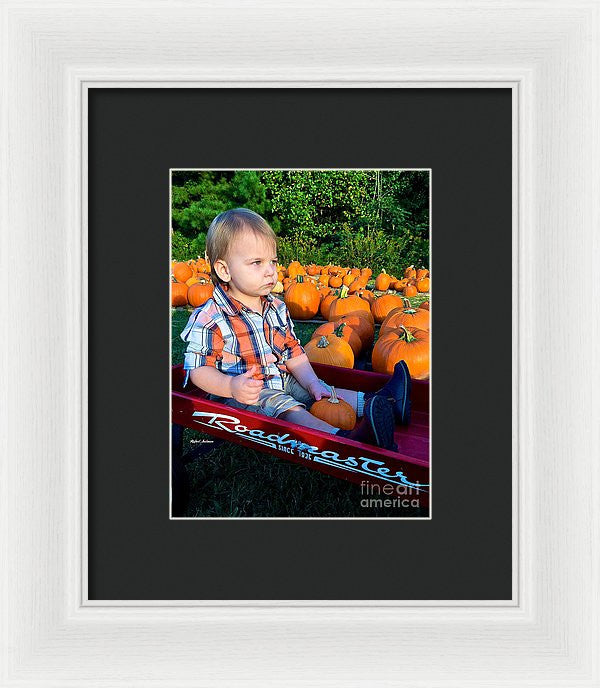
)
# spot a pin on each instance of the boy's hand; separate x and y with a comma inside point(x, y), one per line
point(318, 390)
point(245, 388)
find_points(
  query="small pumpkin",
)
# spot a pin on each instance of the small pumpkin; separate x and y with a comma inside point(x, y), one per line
point(335, 281)
point(363, 327)
point(199, 293)
point(326, 302)
point(330, 350)
point(356, 285)
point(423, 285)
point(382, 281)
point(410, 272)
point(295, 268)
point(399, 285)
point(302, 299)
point(422, 273)
point(182, 272)
point(409, 290)
point(343, 330)
point(410, 317)
point(406, 343)
point(384, 304)
point(179, 292)
point(346, 304)
point(334, 411)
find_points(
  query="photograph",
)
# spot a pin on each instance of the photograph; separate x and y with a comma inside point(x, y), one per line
point(300, 317)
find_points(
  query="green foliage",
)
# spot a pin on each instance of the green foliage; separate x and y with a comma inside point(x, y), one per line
point(375, 218)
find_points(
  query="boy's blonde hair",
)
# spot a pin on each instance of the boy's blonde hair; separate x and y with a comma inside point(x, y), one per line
point(226, 227)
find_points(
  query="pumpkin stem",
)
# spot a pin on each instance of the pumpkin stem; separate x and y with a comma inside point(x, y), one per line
point(406, 335)
point(339, 330)
point(323, 342)
point(333, 399)
point(299, 278)
point(344, 292)
point(405, 302)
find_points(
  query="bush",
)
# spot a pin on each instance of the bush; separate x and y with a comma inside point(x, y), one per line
point(363, 218)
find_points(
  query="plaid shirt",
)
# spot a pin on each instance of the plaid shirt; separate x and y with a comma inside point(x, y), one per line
point(226, 334)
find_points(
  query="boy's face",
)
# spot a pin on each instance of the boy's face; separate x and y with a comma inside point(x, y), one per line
point(251, 265)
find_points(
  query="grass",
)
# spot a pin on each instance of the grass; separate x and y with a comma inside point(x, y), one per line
point(235, 481)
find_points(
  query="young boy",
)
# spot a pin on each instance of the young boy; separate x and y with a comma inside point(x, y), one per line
point(242, 349)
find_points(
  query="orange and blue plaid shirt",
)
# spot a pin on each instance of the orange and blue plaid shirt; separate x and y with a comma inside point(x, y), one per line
point(226, 334)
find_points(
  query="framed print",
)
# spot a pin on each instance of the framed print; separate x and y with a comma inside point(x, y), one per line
point(370, 611)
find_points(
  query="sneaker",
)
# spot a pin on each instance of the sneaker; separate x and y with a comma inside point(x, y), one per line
point(376, 426)
point(398, 391)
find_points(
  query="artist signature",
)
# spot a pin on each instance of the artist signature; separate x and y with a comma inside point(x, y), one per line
point(202, 441)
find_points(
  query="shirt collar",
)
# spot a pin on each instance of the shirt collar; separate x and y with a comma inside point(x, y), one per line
point(232, 306)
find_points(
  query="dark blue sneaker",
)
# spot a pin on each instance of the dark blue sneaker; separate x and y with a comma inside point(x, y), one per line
point(376, 426)
point(398, 390)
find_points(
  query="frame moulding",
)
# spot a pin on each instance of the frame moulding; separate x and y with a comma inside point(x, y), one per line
point(547, 52)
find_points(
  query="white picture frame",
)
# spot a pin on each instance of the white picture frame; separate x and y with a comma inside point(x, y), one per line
point(547, 53)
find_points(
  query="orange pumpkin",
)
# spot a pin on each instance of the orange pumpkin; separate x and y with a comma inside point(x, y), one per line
point(424, 305)
point(409, 317)
point(367, 295)
point(410, 272)
point(405, 343)
point(346, 304)
point(356, 285)
point(199, 293)
point(343, 330)
point(409, 290)
point(294, 269)
point(302, 299)
point(363, 327)
point(384, 304)
point(398, 309)
point(335, 281)
point(202, 276)
point(334, 411)
point(179, 292)
point(326, 302)
point(323, 279)
point(182, 272)
point(382, 281)
point(423, 285)
point(330, 350)
point(422, 273)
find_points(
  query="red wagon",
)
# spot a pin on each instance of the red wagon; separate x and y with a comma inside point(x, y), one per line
point(407, 469)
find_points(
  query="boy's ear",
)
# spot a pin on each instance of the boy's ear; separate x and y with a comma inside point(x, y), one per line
point(222, 270)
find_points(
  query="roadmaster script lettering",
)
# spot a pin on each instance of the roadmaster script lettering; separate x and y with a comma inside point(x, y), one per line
point(287, 444)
